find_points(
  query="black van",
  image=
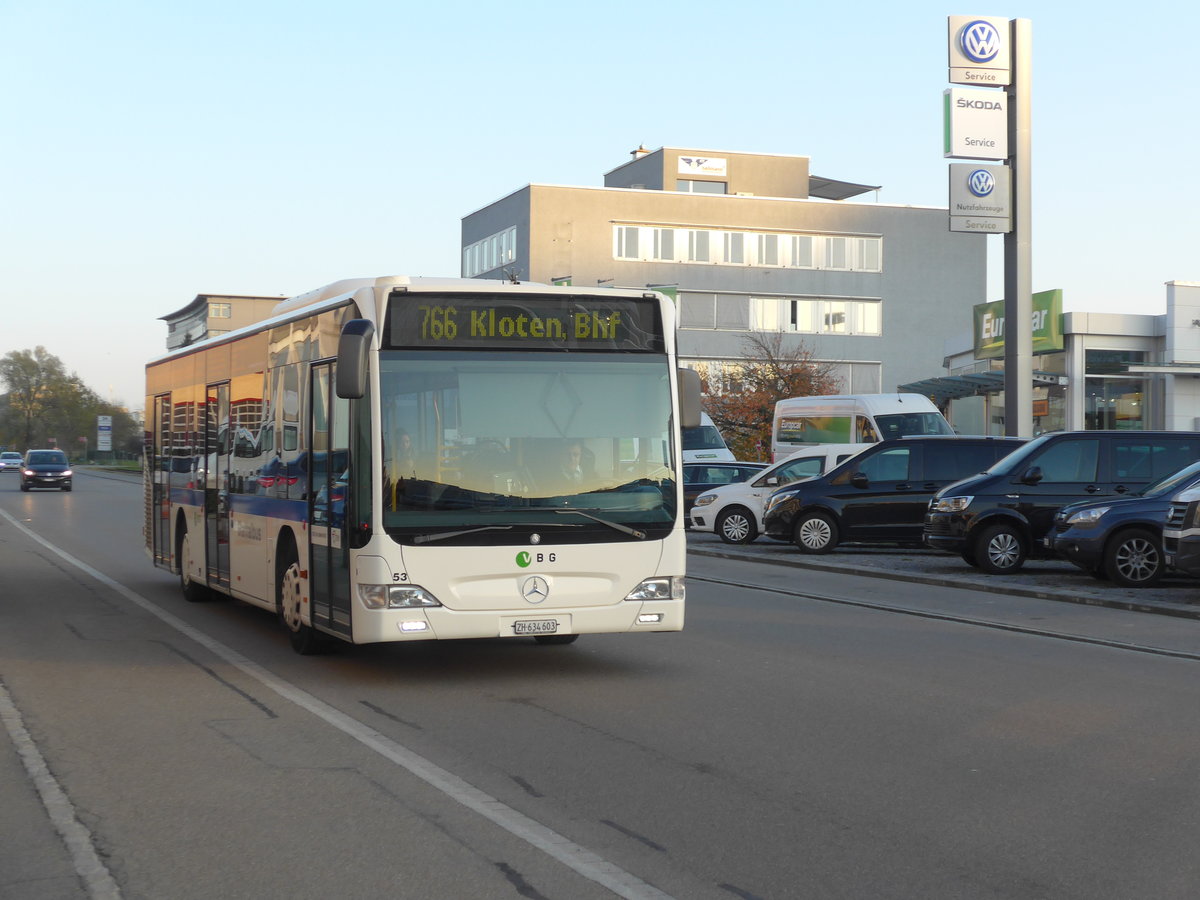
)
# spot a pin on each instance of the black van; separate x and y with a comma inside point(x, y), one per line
point(997, 520)
point(878, 495)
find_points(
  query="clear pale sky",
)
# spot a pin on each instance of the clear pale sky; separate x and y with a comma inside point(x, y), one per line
point(151, 151)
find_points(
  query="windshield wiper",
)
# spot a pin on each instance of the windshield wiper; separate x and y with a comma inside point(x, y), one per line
point(640, 535)
point(440, 536)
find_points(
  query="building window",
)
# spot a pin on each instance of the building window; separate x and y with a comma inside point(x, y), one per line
point(664, 244)
point(627, 242)
point(768, 249)
point(220, 311)
point(835, 253)
point(691, 186)
point(698, 246)
point(214, 332)
point(735, 252)
point(802, 251)
point(490, 252)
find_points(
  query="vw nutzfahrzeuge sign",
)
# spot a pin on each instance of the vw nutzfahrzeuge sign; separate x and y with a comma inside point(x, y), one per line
point(979, 51)
point(980, 198)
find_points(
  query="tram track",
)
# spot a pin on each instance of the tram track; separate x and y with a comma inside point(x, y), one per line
point(934, 615)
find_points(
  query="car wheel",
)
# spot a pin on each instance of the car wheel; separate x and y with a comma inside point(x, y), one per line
point(1134, 558)
point(968, 557)
point(289, 604)
point(556, 638)
point(815, 532)
point(1000, 550)
point(736, 526)
point(25, 488)
point(193, 591)
point(66, 487)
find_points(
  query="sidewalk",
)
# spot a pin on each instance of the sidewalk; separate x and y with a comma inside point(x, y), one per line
point(1056, 580)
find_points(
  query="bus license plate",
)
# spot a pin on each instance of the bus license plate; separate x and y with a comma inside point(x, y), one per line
point(536, 626)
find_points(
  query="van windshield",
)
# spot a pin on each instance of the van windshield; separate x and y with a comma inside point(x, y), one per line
point(1011, 463)
point(899, 424)
point(703, 437)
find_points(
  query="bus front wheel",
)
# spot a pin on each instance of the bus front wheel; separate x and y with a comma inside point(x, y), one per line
point(289, 604)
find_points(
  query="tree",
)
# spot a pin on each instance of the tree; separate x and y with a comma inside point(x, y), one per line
point(47, 406)
point(744, 406)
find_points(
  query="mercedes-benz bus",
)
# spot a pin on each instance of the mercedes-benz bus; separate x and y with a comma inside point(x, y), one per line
point(383, 460)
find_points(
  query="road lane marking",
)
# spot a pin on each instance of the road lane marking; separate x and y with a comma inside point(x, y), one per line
point(576, 857)
point(97, 880)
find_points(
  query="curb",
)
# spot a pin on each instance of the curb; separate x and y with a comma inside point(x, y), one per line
point(1158, 608)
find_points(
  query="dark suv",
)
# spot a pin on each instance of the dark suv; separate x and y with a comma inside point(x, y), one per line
point(880, 495)
point(1120, 538)
point(997, 520)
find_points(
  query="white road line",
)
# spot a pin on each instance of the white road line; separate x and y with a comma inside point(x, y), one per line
point(577, 858)
point(97, 880)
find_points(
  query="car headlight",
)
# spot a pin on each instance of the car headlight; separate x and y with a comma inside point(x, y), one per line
point(774, 500)
point(951, 504)
point(704, 500)
point(392, 596)
point(1088, 517)
point(667, 588)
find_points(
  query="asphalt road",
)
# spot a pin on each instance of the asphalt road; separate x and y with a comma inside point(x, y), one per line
point(810, 734)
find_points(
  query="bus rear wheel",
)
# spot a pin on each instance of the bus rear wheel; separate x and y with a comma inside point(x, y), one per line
point(193, 591)
point(289, 604)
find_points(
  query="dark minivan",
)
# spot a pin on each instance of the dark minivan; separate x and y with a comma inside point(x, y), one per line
point(879, 495)
point(997, 520)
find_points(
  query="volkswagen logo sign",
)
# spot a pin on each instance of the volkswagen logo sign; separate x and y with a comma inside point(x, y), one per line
point(980, 41)
point(981, 182)
point(535, 589)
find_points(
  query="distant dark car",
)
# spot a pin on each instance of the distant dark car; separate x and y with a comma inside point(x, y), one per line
point(46, 469)
point(1120, 537)
point(997, 520)
point(880, 495)
point(704, 476)
point(10, 461)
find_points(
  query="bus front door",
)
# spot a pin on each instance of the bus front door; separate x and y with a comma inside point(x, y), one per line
point(328, 494)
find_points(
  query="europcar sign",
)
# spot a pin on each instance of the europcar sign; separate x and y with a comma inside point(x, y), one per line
point(980, 51)
point(1046, 325)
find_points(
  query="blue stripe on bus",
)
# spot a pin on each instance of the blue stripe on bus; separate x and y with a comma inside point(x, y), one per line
point(248, 504)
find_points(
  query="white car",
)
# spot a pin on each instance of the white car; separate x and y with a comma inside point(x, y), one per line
point(735, 511)
point(11, 461)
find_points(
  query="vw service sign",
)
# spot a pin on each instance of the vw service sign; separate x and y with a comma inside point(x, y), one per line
point(980, 198)
point(979, 51)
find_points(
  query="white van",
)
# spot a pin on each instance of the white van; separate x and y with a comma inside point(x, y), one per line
point(735, 511)
point(704, 443)
point(851, 419)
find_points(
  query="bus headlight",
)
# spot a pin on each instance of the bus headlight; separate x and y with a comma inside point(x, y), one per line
point(667, 588)
point(391, 596)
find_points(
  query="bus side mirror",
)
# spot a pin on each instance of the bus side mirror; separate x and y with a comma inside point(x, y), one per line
point(353, 345)
point(689, 398)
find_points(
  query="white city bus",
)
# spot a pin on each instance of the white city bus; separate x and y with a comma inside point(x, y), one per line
point(387, 460)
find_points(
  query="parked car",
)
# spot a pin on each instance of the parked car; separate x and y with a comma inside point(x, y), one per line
point(997, 520)
point(11, 461)
point(46, 469)
point(1120, 539)
point(735, 511)
point(880, 495)
point(703, 476)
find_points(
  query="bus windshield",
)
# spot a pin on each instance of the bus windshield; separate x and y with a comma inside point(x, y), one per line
point(492, 447)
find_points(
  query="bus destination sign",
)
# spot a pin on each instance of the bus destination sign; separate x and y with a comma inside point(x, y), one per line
point(455, 321)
